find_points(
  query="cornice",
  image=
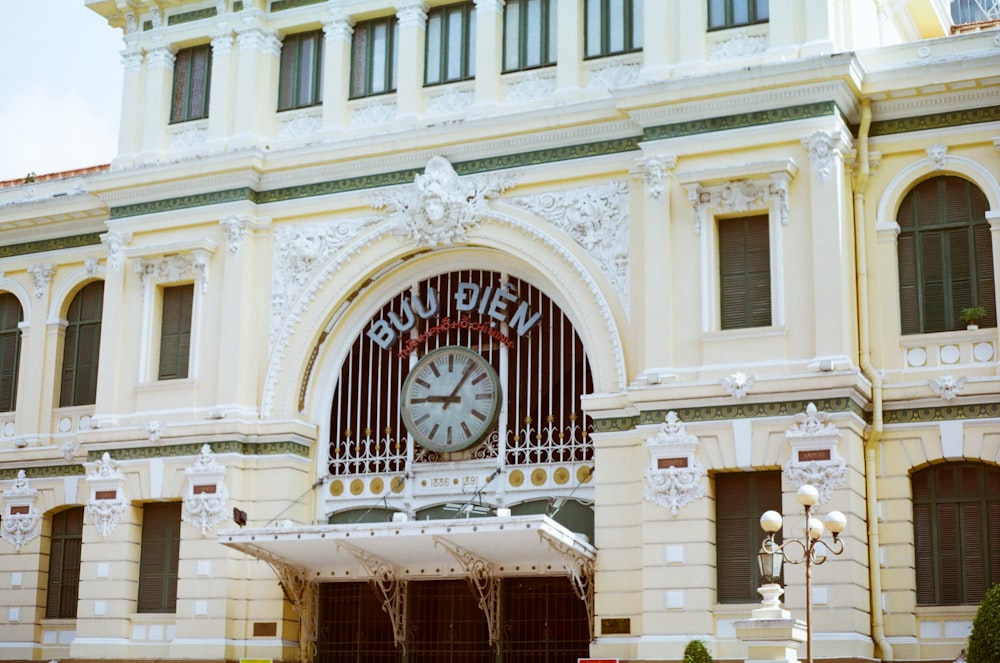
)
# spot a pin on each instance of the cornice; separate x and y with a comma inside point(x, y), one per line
point(52, 244)
point(194, 449)
point(948, 120)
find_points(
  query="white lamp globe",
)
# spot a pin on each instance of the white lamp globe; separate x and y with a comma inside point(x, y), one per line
point(770, 521)
point(807, 495)
point(835, 521)
point(814, 528)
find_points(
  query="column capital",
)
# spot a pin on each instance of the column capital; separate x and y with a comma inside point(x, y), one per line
point(411, 14)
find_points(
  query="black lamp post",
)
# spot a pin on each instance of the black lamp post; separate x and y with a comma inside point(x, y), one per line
point(812, 548)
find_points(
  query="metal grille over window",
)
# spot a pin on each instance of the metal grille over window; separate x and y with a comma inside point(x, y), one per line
point(523, 335)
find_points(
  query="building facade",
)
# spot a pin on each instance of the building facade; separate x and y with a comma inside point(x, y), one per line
point(486, 331)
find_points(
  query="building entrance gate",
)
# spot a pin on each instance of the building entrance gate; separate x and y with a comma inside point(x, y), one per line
point(542, 621)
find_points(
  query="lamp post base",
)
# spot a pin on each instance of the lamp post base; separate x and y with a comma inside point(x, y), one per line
point(770, 639)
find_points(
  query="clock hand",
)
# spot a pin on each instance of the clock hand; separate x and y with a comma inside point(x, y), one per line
point(436, 399)
point(453, 396)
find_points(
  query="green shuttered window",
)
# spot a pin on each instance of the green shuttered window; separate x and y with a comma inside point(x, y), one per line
point(945, 256)
point(10, 350)
point(82, 346)
point(64, 564)
point(529, 34)
point(956, 531)
point(175, 332)
point(300, 82)
point(192, 80)
point(161, 542)
point(745, 272)
point(740, 499)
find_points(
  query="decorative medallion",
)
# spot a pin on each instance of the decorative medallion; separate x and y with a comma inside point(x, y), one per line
point(673, 477)
point(204, 504)
point(107, 505)
point(21, 521)
point(815, 460)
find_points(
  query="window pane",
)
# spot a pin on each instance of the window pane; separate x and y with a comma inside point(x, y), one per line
point(511, 35)
point(636, 24)
point(741, 12)
point(594, 27)
point(616, 26)
point(716, 13)
point(433, 64)
point(378, 60)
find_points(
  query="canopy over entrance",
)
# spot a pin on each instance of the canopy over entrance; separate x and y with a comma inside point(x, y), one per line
point(411, 550)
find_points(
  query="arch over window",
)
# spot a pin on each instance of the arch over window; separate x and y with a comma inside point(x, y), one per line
point(11, 316)
point(956, 528)
point(531, 344)
point(81, 346)
point(945, 256)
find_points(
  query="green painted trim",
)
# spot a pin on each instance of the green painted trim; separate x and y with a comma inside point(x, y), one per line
point(185, 202)
point(943, 413)
point(187, 17)
point(740, 121)
point(939, 121)
point(282, 5)
point(338, 186)
point(194, 448)
point(43, 472)
point(730, 412)
point(55, 244)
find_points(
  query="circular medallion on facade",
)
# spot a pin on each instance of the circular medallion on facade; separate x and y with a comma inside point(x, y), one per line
point(982, 351)
point(397, 484)
point(376, 486)
point(515, 478)
point(950, 354)
point(357, 487)
point(336, 487)
point(538, 476)
point(583, 474)
point(561, 475)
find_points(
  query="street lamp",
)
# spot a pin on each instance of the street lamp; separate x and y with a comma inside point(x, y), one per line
point(813, 549)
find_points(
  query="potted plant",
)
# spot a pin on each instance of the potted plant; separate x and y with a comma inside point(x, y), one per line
point(973, 315)
point(695, 652)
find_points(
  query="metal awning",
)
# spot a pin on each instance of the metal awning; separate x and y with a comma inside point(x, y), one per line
point(412, 550)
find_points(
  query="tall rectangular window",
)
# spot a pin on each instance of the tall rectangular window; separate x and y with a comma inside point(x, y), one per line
point(733, 13)
point(64, 564)
point(10, 350)
point(192, 77)
point(613, 27)
point(82, 347)
point(374, 53)
point(740, 499)
point(451, 44)
point(175, 332)
point(529, 34)
point(745, 272)
point(300, 82)
point(159, 557)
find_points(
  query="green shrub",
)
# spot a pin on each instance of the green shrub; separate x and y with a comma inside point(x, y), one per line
point(984, 642)
point(695, 652)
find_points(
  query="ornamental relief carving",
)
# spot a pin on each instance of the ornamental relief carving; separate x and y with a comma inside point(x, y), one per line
point(21, 521)
point(107, 505)
point(815, 459)
point(739, 196)
point(597, 218)
point(674, 475)
point(204, 505)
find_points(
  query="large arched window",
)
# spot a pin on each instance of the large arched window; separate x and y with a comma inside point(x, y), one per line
point(956, 527)
point(82, 346)
point(10, 350)
point(945, 256)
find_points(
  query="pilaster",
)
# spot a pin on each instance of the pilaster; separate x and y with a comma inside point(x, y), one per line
point(220, 112)
point(337, 31)
point(130, 124)
point(412, 18)
point(156, 105)
point(569, 53)
point(489, 51)
point(256, 79)
point(657, 17)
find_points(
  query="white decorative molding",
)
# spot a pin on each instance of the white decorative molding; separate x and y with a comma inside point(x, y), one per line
point(238, 226)
point(107, 505)
point(947, 386)
point(673, 477)
point(90, 266)
point(373, 114)
point(154, 431)
point(439, 208)
point(738, 384)
point(529, 88)
point(300, 125)
point(69, 448)
point(188, 135)
point(653, 171)
point(597, 218)
point(175, 267)
point(615, 76)
point(815, 459)
point(21, 521)
point(300, 251)
point(937, 154)
point(452, 100)
point(41, 276)
point(739, 196)
point(825, 149)
point(741, 44)
point(204, 504)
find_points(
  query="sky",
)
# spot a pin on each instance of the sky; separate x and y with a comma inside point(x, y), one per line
point(60, 87)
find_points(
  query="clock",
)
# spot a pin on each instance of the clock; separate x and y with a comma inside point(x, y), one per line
point(450, 399)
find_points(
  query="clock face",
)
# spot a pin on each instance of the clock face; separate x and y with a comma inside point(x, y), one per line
point(450, 399)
